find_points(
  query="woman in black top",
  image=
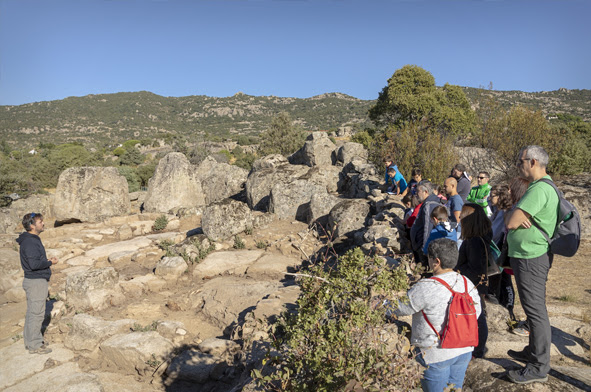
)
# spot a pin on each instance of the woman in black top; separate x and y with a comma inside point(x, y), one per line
point(472, 260)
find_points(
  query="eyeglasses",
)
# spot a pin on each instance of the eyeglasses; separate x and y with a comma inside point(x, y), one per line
point(522, 161)
point(481, 178)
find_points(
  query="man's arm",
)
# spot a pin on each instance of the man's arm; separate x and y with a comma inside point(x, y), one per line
point(35, 258)
point(516, 219)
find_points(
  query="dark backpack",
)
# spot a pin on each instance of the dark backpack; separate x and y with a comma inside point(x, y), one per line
point(461, 329)
point(567, 236)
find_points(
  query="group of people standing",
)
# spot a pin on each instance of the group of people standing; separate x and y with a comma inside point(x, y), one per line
point(453, 231)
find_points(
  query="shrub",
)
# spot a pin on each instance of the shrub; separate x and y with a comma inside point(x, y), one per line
point(336, 338)
point(238, 243)
point(160, 223)
point(130, 174)
point(282, 137)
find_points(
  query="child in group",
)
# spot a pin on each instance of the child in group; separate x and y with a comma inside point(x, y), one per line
point(416, 207)
point(441, 194)
point(443, 228)
point(417, 176)
point(396, 182)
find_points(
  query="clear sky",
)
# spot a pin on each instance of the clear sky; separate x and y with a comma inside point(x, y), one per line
point(52, 49)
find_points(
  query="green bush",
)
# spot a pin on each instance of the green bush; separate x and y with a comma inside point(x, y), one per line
point(282, 137)
point(336, 338)
point(130, 174)
point(119, 151)
point(160, 223)
point(238, 243)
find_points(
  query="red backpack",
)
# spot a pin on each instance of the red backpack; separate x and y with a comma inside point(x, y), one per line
point(462, 324)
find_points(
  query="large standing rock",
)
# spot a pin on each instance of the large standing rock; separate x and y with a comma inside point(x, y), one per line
point(317, 151)
point(319, 207)
point(359, 179)
point(90, 194)
point(260, 183)
point(348, 216)
point(220, 180)
point(289, 201)
point(87, 331)
point(175, 184)
point(11, 217)
point(92, 289)
point(137, 352)
point(11, 273)
point(350, 151)
point(226, 218)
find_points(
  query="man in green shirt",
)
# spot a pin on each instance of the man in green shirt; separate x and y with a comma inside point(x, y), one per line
point(479, 193)
point(531, 262)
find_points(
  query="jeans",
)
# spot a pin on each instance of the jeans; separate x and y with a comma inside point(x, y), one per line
point(36, 290)
point(438, 375)
point(530, 277)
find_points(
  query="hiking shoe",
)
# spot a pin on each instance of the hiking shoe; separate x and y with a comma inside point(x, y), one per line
point(524, 376)
point(521, 331)
point(522, 356)
point(41, 350)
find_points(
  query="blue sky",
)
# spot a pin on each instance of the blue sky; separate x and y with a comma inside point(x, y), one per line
point(52, 49)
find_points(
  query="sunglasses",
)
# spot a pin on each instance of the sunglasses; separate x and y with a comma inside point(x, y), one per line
point(481, 178)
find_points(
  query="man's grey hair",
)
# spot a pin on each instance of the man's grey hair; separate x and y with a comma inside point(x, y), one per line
point(538, 153)
point(445, 250)
point(426, 186)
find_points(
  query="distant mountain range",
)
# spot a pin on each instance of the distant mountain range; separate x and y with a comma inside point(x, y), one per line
point(105, 119)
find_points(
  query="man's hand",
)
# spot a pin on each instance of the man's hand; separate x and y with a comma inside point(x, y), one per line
point(526, 224)
point(53, 260)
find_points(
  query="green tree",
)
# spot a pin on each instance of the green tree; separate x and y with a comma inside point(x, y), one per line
point(282, 136)
point(145, 172)
point(119, 151)
point(130, 144)
point(131, 157)
point(511, 131)
point(130, 174)
point(411, 96)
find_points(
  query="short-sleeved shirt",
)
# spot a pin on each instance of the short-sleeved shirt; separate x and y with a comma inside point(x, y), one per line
point(402, 184)
point(454, 203)
point(541, 202)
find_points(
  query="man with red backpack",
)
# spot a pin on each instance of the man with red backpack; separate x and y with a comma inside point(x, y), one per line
point(445, 347)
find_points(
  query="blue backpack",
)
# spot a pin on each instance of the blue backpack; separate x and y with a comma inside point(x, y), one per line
point(567, 236)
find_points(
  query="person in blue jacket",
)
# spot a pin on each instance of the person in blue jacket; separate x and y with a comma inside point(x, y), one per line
point(396, 182)
point(36, 281)
point(443, 228)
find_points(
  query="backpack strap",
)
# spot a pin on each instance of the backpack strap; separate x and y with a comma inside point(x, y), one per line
point(559, 193)
point(444, 283)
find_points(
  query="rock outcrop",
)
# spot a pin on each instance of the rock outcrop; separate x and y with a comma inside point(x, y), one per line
point(175, 185)
point(317, 151)
point(90, 194)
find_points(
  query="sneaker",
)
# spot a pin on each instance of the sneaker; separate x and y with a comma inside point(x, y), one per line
point(524, 376)
point(520, 331)
point(522, 356)
point(41, 350)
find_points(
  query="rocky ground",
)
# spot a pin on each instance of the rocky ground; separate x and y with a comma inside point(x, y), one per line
point(124, 342)
point(184, 308)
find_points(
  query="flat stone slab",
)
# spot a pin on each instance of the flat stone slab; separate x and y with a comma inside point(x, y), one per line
point(104, 251)
point(16, 364)
point(228, 262)
point(66, 377)
point(273, 266)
